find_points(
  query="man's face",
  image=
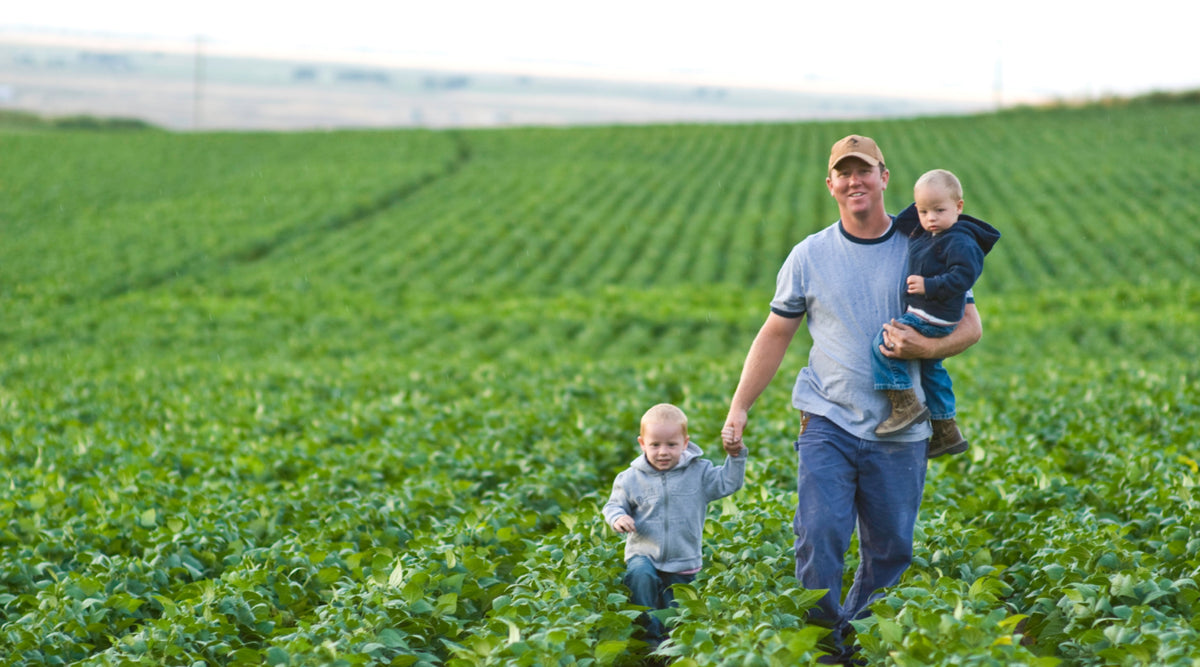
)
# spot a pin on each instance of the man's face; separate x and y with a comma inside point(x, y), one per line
point(663, 444)
point(857, 186)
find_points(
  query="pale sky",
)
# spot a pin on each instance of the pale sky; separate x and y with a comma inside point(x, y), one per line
point(934, 48)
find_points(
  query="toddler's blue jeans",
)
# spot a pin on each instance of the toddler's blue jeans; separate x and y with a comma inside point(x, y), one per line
point(651, 587)
point(893, 373)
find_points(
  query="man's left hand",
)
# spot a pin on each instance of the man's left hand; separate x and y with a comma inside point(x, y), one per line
point(901, 341)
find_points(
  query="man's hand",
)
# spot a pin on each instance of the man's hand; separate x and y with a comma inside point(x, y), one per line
point(624, 524)
point(901, 341)
point(735, 423)
point(731, 441)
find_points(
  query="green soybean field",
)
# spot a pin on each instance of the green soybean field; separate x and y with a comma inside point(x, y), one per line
point(357, 397)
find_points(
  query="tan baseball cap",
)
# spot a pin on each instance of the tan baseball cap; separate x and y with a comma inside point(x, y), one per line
point(857, 146)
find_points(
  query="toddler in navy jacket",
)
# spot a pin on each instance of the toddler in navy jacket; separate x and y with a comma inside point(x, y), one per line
point(945, 258)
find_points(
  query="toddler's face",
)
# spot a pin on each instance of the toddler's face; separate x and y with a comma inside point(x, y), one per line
point(663, 444)
point(938, 209)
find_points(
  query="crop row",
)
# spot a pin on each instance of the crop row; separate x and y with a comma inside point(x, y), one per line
point(644, 207)
point(93, 215)
point(534, 210)
point(553, 229)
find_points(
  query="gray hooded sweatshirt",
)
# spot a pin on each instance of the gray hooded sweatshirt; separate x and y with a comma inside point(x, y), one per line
point(669, 506)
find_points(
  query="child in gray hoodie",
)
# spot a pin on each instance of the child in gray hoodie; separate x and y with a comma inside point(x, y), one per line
point(660, 503)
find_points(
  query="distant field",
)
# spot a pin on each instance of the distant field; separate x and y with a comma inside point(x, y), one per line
point(355, 397)
point(189, 86)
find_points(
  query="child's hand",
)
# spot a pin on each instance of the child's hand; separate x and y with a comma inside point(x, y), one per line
point(916, 284)
point(624, 524)
point(733, 444)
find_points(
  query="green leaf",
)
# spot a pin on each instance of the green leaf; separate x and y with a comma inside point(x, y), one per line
point(685, 592)
point(123, 602)
point(392, 638)
point(1011, 622)
point(277, 656)
point(396, 578)
point(514, 632)
point(806, 638)
point(447, 604)
point(891, 631)
point(609, 650)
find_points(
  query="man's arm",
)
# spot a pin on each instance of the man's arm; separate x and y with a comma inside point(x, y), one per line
point(908, 344)
point(762, 362)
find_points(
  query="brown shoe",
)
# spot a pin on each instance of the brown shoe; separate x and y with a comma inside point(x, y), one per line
point(946, 439)
point(906, 411)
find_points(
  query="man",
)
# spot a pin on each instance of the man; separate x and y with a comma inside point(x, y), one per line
point(848, 279)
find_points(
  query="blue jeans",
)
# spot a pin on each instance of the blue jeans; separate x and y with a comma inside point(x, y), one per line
point(844, 481)
point(651, 587)
point(893, 373)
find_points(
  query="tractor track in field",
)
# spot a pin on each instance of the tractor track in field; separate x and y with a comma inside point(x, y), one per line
point(262, 249)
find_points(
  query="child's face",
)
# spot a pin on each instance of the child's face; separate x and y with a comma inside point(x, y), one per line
point(938, 209)
point(663, 444)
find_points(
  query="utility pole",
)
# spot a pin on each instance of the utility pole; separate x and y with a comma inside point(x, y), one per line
point(198, 82)
point(998, 82)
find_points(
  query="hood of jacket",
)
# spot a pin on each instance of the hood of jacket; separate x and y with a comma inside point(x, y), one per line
point(908, 222)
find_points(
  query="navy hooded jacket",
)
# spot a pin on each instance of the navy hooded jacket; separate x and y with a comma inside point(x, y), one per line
point(950, 262)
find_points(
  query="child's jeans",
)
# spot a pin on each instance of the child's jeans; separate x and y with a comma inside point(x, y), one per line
point(893, 373)
point(650, 587)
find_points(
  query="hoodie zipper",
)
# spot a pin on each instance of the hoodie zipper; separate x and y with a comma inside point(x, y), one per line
point(666, 516)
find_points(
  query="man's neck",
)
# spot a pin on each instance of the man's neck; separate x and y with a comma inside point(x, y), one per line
point(868, 226)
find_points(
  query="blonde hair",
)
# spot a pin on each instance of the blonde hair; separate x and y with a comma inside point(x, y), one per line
point(941, 178)
point(664, 413)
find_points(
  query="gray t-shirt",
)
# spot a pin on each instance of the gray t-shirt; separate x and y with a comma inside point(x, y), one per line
point(848, 288)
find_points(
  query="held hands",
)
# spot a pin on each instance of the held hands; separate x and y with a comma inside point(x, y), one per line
point(731, 438)
point(624, 524)
point(916, 284)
